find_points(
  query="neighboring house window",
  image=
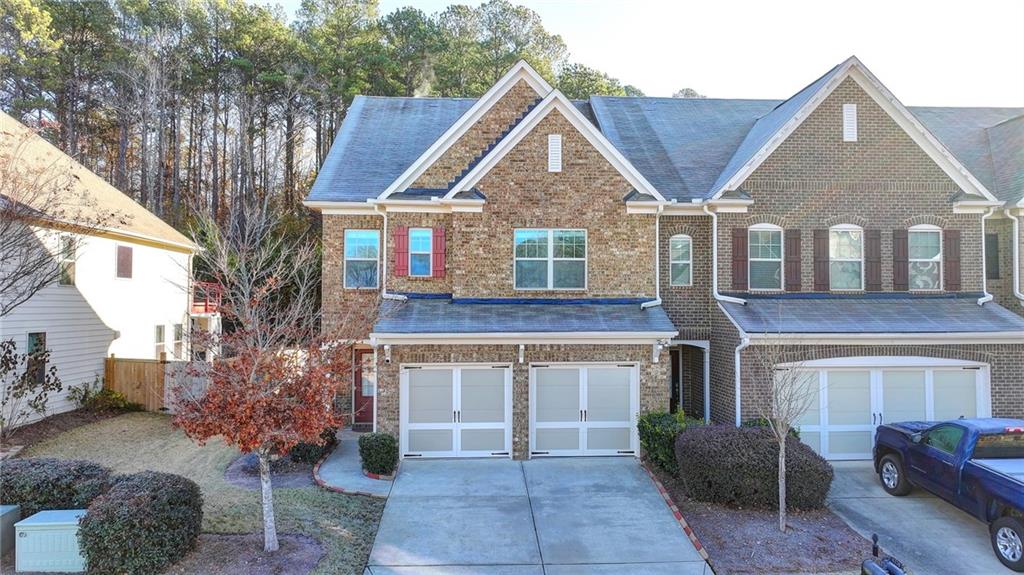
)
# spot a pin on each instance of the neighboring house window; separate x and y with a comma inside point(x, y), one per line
point(67, 260)
point(124, 262)
point(765, 259)
point(361, 258)
point(925, 254)
point(158, 340)
point(36, 363)
point(992, 256)
point(179, 341)
point(550, 259)
point(421, 246)
point(680, 256)
point(846, 257)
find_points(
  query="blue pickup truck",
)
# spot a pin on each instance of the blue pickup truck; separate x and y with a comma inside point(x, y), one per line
point(975, 464)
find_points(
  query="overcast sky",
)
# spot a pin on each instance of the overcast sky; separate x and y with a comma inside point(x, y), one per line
point(928, 52)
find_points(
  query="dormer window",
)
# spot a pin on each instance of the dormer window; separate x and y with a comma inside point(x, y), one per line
point(554, 152)
point(849, 122)
point(846, 257)
point(925, 257)
point(765, 263)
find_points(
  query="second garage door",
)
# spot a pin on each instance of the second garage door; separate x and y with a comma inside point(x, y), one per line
point(583, 409)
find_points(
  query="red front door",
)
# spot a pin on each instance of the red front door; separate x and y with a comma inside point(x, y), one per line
point(364, 386)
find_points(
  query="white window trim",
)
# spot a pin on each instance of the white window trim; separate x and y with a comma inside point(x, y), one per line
point(160, 346)
point(846, 228)
point(346, 259)
point(551, 259)
point(671, 261)
point(63, 259)
point(940, 258)
point(781, 259)
point(429, 253)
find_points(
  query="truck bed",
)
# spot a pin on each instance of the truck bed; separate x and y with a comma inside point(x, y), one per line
point(1013, 468)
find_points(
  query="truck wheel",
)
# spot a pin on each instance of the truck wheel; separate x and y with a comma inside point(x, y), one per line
point(894, 480)
point(1007, 536)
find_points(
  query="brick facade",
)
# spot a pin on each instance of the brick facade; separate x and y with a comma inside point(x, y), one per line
point(1002, 287)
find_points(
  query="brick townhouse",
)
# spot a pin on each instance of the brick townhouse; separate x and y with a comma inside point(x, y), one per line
point(549, 268)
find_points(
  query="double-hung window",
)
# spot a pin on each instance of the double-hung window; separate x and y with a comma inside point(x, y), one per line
point(179, 341)
point(36, 362)
point(925, 255)
point(765, 262)
point(846, 257)
point(680, 257)
point(67, 260)
point(550, 259)
point(362, 248)
point(158, 341)
point(421, 245)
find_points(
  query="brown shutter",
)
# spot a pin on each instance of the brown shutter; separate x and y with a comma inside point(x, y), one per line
point(820, 260)
point(124, 262)
point(900, 261)
point(872, 260)
point(951, 257)
point(401, 235)
point(438, 255)
point(739, 259)
point(793, 260)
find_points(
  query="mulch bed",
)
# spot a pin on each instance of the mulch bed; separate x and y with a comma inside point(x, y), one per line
point(219, 554)
point(244, 472)
point(54, 425)
point(748, 541)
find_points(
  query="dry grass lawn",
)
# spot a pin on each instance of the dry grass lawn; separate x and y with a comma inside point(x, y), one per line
point(344, 525)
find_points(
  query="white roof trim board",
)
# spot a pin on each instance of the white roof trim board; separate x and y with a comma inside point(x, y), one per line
point(521, 71)
point(557, 101)
point(853, 68)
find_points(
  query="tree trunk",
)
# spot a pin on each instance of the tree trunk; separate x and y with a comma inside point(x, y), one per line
point(782, 483)
point(269, 528)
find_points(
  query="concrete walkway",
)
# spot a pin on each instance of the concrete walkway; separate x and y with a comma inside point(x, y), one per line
point(592, 516)
point(927, 534)
point(342, 470)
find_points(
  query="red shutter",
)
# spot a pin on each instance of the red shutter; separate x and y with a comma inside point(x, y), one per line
point(401, 235)
point(951, 255)
point(900, 261)
point(793, 260)
point(739, 259)
point(872, 260)
point(438, 262)
point(821, 260)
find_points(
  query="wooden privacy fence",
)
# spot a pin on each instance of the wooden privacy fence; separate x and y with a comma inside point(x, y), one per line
point(151, 382)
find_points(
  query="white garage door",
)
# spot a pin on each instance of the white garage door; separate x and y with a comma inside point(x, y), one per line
point(583, 409)
point(456, 411)
point(853, 396)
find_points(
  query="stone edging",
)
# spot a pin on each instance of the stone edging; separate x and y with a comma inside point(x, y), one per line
point(679, 516)
point(324, 485)
point(390, 477)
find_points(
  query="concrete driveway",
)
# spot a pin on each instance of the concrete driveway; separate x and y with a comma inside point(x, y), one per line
point(929, 535)
point(593, 516)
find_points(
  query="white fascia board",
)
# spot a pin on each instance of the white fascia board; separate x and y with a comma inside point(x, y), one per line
point(666, 208)
point(962, 338)
point(342, 208)
point(557, 101)
point(974, 206)
point(853, 68)
point(516, 338)
point(521, 71)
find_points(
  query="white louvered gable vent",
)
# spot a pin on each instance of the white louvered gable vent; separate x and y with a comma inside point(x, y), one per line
point(554, 152)
point(849, 122)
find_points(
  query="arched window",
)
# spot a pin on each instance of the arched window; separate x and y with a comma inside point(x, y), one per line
point(764, 266)
point(846, 257)
point(680, 257)
point(924, 251)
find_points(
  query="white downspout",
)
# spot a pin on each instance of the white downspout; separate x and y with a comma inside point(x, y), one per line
point(714, 261)
point(744, 342)
point(987, 297)
point(657, 260)
point(384, 265)
point(1015, 237)
point(707, 383)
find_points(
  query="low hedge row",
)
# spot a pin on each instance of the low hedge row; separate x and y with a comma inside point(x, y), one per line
point(379, 452)
point(44, 483)
point(313, 452)
point(658, 431)
point(739, 466)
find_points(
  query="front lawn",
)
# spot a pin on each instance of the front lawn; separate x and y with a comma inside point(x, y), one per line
point(344, 525)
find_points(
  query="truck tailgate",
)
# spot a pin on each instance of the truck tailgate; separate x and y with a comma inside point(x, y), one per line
point(1011, 467)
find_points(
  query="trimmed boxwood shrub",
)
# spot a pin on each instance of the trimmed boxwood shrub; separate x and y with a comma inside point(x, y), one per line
point(313, 452)
point(658, 431)
point(145, 522)
point(739, 466)
point(762, 422)
point(379, 452)
point(40, 484)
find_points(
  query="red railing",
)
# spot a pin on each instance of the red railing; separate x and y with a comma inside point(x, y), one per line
point(206, 297)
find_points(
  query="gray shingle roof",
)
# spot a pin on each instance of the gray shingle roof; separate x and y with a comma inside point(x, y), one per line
point(443, 316)
point(866, 314)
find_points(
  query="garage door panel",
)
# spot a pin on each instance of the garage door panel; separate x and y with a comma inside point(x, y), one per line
point(558, 395)
point(482, 396)
point(849, 443)
point(955, 394)
point(608, 394)
point(608, 439)
point(849, 397)
point(430, 396)
point(482, 440)
point(903, 395)
point(557, 439)
point(809, 386)
point(431, 440)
